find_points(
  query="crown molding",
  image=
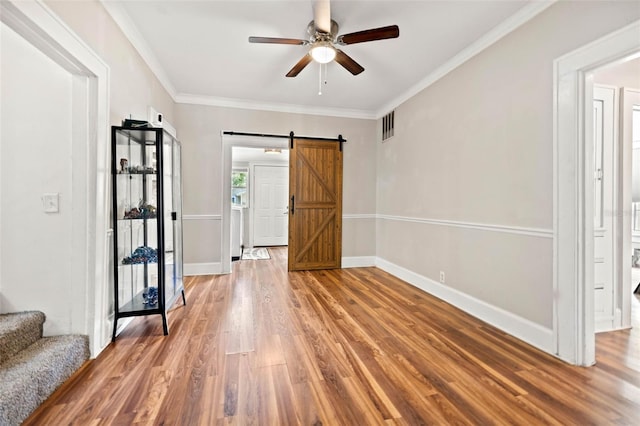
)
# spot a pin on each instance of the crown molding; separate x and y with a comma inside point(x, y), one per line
point(123, 20)
point(510, 24)
point(187, 98)
point(131, 32)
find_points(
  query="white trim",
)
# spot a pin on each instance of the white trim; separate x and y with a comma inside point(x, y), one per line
point(185, 98)
point(201, 217)
point(191, 269)
point(358, 262)
point(359, 216)
point(573, 304)
point(41, 27)
point(531, 232)
point(512, 23)
point(522, 328)
point(122, 19)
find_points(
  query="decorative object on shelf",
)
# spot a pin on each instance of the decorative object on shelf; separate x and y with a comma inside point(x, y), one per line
point(143, 211)
point(150, 296)
point(141, 255)
point(145, 177)
point(141, 170)
point(132, 124)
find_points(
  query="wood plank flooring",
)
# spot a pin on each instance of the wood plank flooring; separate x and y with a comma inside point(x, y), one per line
point(342, 347)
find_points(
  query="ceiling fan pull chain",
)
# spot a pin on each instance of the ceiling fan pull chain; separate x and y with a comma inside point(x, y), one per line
point(320, 80)
point(325, 74)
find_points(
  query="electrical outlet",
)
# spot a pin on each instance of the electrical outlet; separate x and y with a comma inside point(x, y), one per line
point(442, 277)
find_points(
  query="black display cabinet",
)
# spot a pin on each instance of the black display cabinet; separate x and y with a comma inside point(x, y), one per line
point(147, 222)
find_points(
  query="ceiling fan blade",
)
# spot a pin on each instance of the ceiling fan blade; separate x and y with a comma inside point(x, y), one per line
point(345, 60)
point(392, 31)
point(277, 40)
point(299, 66)
point(322, 15)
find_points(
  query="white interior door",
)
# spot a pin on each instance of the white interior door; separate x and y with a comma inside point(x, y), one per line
point(604, 207)
point(270, 206)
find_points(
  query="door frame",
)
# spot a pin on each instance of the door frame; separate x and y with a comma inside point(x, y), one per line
point(573, 303)
point(42, 28)
point(228, 142)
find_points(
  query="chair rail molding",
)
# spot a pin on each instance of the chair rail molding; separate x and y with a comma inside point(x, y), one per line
point(518, 230)
point(201, 217)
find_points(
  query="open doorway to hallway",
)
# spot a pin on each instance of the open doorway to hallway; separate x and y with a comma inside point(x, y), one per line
point(259, 200)
point(573, 281)
point(616, 137)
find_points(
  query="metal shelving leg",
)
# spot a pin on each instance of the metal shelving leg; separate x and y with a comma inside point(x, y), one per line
point(165, 327)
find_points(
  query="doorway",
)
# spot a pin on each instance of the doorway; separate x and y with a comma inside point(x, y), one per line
point(259, 194)
point(240, 142)
point(617, 185)
point(309, 170)
point(573, 277)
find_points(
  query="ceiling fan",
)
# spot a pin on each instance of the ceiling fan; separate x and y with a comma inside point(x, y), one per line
point(323, 39)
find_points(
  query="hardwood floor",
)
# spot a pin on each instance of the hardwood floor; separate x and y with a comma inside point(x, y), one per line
point(340, 347)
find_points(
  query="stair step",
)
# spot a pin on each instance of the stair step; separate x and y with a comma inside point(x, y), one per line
point(29, 377)
point(18, 331)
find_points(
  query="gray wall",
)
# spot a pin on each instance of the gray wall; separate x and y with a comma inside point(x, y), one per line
point(475, 150)
point(200, 129)
point(133, 86)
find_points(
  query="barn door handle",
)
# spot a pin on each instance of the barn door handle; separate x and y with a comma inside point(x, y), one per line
point(293, 203)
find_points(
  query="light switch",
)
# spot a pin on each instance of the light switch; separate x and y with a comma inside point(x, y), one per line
point(50, 202)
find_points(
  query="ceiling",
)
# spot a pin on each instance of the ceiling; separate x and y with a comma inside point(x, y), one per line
point(200, 51)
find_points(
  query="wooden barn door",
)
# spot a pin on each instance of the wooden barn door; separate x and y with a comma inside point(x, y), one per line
point(315, 205)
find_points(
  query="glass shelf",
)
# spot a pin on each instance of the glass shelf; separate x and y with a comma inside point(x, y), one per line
point(150, 172)
point(136, 304)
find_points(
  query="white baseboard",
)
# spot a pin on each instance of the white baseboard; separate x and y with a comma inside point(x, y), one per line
point(523, 329)
point(358, 261)
point(202, 269)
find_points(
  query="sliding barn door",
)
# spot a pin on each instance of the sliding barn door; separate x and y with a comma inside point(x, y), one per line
point(315, 205)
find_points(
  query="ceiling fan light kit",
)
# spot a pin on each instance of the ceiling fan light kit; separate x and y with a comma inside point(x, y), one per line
point(323, 43)
point(323, 52)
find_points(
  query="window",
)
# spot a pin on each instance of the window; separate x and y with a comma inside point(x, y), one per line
point(240, 187)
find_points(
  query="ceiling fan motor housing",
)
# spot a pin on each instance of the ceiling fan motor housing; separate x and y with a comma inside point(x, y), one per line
point(317, 35)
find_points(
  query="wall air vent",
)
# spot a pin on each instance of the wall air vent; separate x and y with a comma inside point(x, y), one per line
point(387, 126)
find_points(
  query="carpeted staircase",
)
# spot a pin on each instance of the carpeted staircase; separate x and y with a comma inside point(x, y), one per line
point(32, 366)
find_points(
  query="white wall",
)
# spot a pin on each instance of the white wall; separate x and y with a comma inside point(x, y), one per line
point(132, 89)
point(35, 146)
point(471, 164)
